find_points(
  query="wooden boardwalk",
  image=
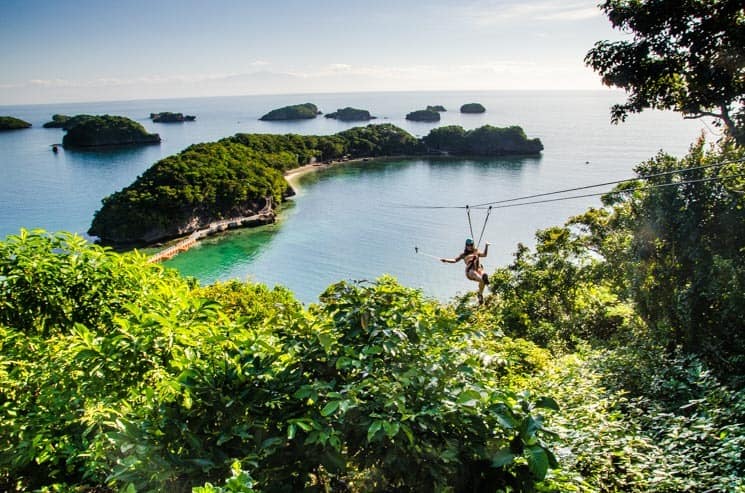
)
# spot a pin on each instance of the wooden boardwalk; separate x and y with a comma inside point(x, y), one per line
point(264, 215)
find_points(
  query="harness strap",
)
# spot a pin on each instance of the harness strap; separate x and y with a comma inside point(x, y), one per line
point(470, 226)
point(483, 228)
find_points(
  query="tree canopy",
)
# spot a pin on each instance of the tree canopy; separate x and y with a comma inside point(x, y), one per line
point(685, 56)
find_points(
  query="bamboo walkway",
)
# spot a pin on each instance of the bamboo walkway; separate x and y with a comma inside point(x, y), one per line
point(263, 215)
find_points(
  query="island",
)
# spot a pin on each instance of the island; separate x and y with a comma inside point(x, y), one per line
point(168, 117)
point(12, 123)
point(438, 108)
point(482, 141)
point(239, 179)
point(472, 108)
point(107, 130)
point(66, 122)
point(350, 115)
point(295, 112)
point(423, 116)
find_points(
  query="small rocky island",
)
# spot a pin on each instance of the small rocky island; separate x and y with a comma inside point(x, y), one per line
point(12, 123)
point(472, 108)
point(439, 108)
point(66, 122)
point(107, 130)
point(239, 177)
point(168, 117)
point(295, 112)
point(424, 116)
point(351, 115)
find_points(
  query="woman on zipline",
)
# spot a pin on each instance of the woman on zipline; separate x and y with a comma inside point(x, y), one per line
point(474, 270)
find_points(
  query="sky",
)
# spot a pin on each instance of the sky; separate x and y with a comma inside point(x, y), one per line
point(99, 50)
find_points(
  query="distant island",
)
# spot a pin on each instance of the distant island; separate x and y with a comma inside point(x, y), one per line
point(12, 123)
point(168, 117)
point(350, 115)
point(424, 116)
point(438, 108)
point(107, 130)
point(472, 108)
point(66, 122)
point(483, 141)
point(295, 112)
point(241, 175)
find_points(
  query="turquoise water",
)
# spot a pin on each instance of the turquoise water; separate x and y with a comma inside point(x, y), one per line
point(346, 223)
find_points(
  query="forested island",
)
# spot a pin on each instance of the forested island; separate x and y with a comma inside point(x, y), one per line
point(106, 130)
point(169, 117)
point(349, 114)
point(12, 123)
point(438, 107)
point(423, 116)
point(294, 112)
point(66, 122)
point(472, 108)
point(240, 175)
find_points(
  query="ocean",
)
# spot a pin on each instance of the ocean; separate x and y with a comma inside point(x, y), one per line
point(360, 220)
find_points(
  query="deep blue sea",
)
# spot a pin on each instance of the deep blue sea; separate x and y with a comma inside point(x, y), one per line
point(347, 222)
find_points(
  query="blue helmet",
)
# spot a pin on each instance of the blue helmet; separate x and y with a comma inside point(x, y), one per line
point(469, 241)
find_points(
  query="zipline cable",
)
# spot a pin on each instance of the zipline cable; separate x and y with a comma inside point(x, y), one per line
point(483, 228)
point(575, 189)
point(618, 192)
point(470, 226)
point(616, 182)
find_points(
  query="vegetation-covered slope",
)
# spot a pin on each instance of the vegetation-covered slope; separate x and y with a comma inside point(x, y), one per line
point(66, 122)
point(482, 141)
point(472, 108)
point(349, 114)
point(107, 130)
point(293, 112)
point(12, 123)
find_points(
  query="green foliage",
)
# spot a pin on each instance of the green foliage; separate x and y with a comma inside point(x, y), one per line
point(675, 428)
point(66, 122)
point(437, 107)
point(293, 112)
point(482, 141)
point(472, 108)
point(423, 116)
point(11, 123)
point(146, 384)
point(169, 117)
point(105, 130)
point(211, 181)
point(687, 56)
point(349, 114)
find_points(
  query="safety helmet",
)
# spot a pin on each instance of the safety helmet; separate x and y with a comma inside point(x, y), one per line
point(469, 241)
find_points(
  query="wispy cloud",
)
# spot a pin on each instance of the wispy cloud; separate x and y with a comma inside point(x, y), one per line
point(490, 12)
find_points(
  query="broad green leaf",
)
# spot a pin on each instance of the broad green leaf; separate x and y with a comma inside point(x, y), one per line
point(330, 408)
point(503, 457)
point(469, 398)
point(373, 429)
point(537, 462)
